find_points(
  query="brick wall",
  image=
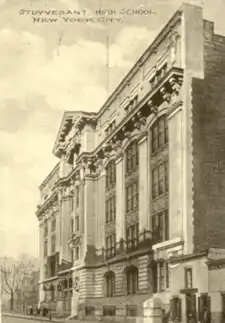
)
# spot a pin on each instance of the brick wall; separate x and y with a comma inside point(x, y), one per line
point(209, 149)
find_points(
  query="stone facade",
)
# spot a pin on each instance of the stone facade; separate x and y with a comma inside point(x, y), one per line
point(130, 214)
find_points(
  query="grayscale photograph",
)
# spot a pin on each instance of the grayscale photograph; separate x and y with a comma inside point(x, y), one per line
point(112, 161)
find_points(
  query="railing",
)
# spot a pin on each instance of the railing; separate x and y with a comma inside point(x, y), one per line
point(143, 241)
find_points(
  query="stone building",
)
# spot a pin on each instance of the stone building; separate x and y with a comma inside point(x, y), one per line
point(132, 216)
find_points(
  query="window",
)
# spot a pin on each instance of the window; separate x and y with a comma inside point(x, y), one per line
point(72, 226)
point(175, 309)
point(109, 310)
point(160, 180)
point(77, 223)
point(132, 235)
point(110, 174)
point(53, 224)
point(110, 283)
point(131, 310)
point(132, 104)
point(71, 203)
point(161, 276)
point(132, 196)
point(132, 280)
point(77, 196)
point(53, 243)
point(46, 271)
point(110, 246)
point(160, 226)
point(45, 229)
point(45, 248)
point(77, 253)
point(188, 277)
point(52, 292)
point(204, 308)
point(132, 157)
point(70, 282)
point(159, 133)
point(111, 209)
point(71, 255)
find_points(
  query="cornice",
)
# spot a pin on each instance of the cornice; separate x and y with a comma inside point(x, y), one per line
point(48, 203)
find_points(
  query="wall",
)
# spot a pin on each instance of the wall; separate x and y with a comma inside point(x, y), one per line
point(208, 150)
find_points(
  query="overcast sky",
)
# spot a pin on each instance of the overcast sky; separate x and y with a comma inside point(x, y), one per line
point(47, 68)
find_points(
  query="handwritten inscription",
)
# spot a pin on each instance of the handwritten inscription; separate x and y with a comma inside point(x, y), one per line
point(84, 15)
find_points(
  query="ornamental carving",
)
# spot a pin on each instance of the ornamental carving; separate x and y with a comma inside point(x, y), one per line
point(153, 108)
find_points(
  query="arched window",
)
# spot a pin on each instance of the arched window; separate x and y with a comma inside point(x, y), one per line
point(109, 283)
point(132, 280)
point(132, 157)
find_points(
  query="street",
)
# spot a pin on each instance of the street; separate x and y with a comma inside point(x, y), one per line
point(7, 319)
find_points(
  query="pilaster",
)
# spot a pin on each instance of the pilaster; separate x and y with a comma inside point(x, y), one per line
point(120, 191)
point(101, 212)
point(65, 227)
point(143, 184)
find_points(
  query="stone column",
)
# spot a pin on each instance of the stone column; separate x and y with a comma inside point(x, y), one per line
point(49, 235)
point(65, 216)
point(143, 184)
point(101, 212)
point(41, 255)
point(120, 196)
point(175, 174)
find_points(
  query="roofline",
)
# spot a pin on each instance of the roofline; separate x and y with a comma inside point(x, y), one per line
point(141, 59)
point(48, 176)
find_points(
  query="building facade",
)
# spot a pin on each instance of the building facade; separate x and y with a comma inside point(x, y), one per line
point(131, 217)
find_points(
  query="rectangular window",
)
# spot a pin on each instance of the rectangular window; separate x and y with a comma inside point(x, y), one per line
point(161, 276)
point(160, 226)
point(72, 226)
point(77, 196)
point(72, 204)
point(111, 209)
point(159, 133)
point(53, 243)
point(132, 196)
point(110, 174)
point(188, 277)
point(45, 248)
point(53, 224)
point(77, 223)
point(45, 229)
point(132, 236)
point(110, 245)
point(160, 180)
point(132, 157)
point(77, 253)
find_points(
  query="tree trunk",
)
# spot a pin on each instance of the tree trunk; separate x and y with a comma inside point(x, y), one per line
point(11, 301)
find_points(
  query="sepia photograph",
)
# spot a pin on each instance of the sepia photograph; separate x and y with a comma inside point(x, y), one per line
point(112, 161)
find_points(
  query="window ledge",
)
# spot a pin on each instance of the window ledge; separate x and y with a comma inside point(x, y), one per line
point(168, 244)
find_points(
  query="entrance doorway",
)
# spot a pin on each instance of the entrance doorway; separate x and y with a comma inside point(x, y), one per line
point(191, 313)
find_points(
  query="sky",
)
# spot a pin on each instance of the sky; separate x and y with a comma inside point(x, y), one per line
point(47, 68)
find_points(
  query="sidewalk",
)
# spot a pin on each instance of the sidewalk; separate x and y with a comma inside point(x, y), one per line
point(34, 318)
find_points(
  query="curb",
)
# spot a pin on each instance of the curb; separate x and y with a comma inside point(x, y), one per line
point(32, 318)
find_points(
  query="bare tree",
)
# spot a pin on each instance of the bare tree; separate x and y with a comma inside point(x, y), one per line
point(14, 273)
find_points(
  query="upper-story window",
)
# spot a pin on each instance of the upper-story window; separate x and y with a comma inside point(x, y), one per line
point(110, 128)
point(45, 248)
point(110, 174)
point(53, 224)
point(131, 105)
point(132, 157)
point(77, 196)
point(45, 229)
point(77, 223)
point(110, 242)
point(158, 76)
point(159, 133)
point(72, 204)
point(132, 236)
point(160, 179)
point(160, 226)
point(53, 244)
point(111, 209)
point(132, 196)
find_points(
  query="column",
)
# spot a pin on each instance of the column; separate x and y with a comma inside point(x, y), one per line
point(49, 234)
point(143, 184)
point(120, 196)
point(65, 216)
point(41, 255)
point(101, 213)
point(175, 174)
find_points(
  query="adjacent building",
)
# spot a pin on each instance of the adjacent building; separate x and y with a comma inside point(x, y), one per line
point(132, 216)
